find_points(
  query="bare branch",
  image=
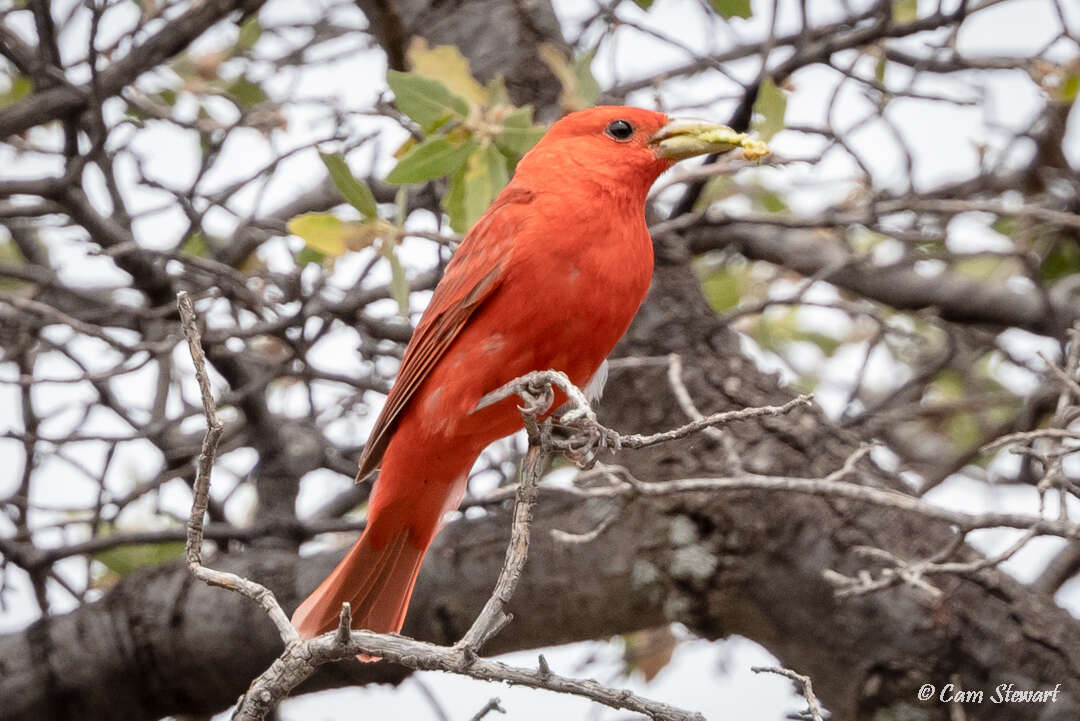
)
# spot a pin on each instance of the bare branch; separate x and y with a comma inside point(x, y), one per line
point(493, 616)
point(256, 592)
point(831, 486)
point(300, 660)
point(802, 685)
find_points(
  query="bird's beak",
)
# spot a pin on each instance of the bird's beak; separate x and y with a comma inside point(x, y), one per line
point(686, 137)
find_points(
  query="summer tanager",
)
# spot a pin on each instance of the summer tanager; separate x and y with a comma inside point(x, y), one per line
point(548, 278)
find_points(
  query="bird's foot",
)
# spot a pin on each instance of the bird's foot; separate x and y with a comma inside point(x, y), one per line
point(581, 439)
point(537, 398)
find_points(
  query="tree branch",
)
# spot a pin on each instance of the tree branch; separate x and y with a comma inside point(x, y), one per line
point(63, 100)
point(956, 298)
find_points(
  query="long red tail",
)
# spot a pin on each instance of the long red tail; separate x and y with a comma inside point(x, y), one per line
point(376, 581)
point(406, 509)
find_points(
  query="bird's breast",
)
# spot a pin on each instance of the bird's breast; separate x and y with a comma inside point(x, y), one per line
point(563, 304)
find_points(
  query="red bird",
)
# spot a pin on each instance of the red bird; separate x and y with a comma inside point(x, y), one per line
point(548, 278)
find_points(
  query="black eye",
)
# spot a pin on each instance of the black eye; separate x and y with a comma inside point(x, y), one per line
point(620, 130)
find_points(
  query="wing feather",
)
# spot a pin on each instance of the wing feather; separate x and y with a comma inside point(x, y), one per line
point(474, 273)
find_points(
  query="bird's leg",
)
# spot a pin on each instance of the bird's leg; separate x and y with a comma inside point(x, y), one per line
point(575, 432)
point(580, 438)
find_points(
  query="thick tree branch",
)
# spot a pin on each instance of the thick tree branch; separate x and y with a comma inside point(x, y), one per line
point(955, 297)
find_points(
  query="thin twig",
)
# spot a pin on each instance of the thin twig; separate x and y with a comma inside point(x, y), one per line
point(494, 615)
point(256, 592)
point(493, 704)
point(802, 683)
point(643, 441)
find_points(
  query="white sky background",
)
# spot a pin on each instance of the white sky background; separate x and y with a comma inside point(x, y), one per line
point(712, 678)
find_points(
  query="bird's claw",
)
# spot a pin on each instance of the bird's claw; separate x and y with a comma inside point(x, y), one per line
point(537, 399)
point(585, 441)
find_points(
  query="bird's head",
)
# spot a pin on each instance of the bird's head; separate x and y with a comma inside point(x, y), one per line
point(630, 146)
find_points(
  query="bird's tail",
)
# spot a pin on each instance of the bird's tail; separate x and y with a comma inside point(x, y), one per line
point(376, 579)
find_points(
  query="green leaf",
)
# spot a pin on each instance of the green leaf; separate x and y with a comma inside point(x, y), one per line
point(963, 430)
point(486, 177)
point(425, 100)
point(1067, 89)
point(246, 93)
point(985, 267)
point(399, 284)
point(519, 133)
point(330, 235)
point(1005, 224)
point(724, 288)
point(588, 90)
point(321, 232)
point(195, 245)
point(475, 186)
point(904, 11)
point(453, 201)
point(771, 202)
point(826, 343)
point(497, 95)
point(447, 65)
point(948, 386)
point(122, 560)
point(774, 330)
point(579, 88)
point(1070, 88)
point(732, 8)
point(433, 158)
point(401, 207)
point(249, 34)
point(644, 4)
point(1062, 260)
point(863, 239)
point(307, 254)
point(879, 69)
point(131, 111)
point(11, 255)
point(355, 191)
point(18, 87)
point(717, 188)
point(769, 109)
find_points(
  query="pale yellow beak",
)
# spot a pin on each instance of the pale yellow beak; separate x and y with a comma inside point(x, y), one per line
point(686, 137)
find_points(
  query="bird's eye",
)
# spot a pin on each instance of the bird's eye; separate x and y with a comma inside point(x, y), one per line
point(620, 130)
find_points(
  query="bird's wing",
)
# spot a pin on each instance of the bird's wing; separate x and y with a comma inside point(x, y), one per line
point(476, 270)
